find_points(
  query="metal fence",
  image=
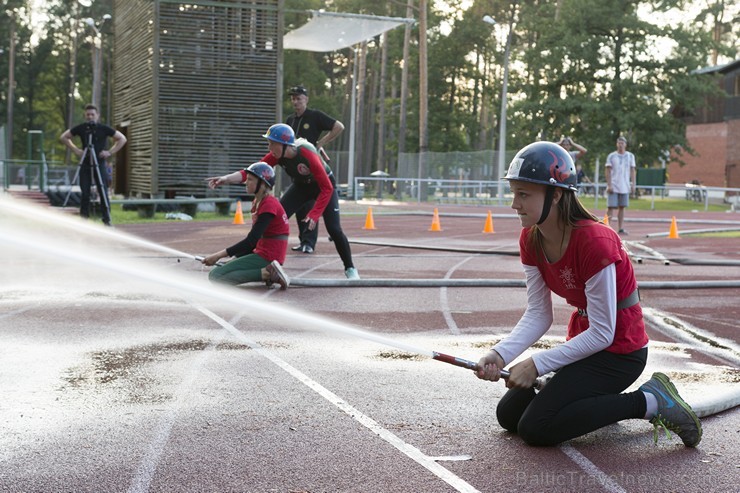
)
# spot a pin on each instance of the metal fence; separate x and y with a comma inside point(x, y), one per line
point(31, 174)
point(475, 165)
point(39, 175)
point(43, 175)
point(486, 191)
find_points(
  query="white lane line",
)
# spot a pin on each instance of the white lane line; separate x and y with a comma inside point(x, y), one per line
point(444, 305)
point(590, 468)
point(18, 311)
point(148, 465)
point(409, 450)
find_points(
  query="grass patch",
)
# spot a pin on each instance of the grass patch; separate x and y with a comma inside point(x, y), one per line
point(659, 204)
point(119, 216)
point(718, 234)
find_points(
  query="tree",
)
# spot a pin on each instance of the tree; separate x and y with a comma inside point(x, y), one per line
point(593, 73)
point(585, 68)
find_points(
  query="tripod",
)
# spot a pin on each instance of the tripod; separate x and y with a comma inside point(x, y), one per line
point(85, 180)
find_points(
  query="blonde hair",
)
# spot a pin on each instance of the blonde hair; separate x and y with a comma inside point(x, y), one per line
point(262, 191)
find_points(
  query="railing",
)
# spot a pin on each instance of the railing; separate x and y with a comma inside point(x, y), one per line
point(36, 175)
point(485, 192)
point(31, 174)
point(457, 191)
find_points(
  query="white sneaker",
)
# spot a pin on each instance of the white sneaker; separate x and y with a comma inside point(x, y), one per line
point(352, 273)
point(277, 275)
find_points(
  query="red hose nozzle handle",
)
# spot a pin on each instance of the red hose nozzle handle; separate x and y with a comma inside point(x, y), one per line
point(470, 365)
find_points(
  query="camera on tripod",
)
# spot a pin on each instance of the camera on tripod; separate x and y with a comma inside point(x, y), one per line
point(90, 127)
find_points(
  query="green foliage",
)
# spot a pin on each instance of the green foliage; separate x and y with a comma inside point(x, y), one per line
point(586, 68)
point(593, 74)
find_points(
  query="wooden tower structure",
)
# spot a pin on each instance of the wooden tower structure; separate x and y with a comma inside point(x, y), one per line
point(196, 85)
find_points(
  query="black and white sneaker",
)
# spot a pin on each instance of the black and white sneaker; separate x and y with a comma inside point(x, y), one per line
point(277, 275)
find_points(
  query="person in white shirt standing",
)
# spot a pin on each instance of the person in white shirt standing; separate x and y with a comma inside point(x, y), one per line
point(621, 172)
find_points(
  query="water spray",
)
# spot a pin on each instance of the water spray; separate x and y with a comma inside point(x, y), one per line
point(75, 223)
point(34, 242)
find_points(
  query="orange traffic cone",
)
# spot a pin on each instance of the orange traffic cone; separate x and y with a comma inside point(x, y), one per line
point(239, 215)
point(435, 222)
point(369, 223)
point(673, 233)
point(488, 228)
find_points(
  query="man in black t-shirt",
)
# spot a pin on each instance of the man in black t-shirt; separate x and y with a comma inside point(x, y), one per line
point(310, 124)
point(92, 132)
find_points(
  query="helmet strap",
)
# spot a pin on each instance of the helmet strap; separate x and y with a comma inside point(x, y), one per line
point(285, 146)
point(547, 205)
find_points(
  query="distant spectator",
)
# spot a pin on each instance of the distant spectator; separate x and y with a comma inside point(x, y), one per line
point(20, 177)
point(581, 178)
point(621, 172)
point(568, 144)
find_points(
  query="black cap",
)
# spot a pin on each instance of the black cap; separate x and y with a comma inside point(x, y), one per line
point(298, 90)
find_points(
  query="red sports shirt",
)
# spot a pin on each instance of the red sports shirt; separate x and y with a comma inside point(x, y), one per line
point(270, 247)
point(592, 247)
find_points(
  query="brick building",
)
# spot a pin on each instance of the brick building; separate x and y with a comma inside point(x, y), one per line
point(713, 131)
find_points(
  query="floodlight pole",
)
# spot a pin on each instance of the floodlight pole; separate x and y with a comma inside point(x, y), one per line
point(97, 60)
point(11, 87)
point(352, 113)
point(423, 102)
point(502, 123)
point(502, 120)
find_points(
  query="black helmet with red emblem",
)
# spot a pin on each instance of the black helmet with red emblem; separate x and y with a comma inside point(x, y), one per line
point(545, 163)
point(264, 172)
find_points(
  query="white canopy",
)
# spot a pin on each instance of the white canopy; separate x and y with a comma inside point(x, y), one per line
point(329, 31)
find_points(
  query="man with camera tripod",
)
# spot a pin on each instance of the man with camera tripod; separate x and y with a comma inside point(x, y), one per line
point(93, 155)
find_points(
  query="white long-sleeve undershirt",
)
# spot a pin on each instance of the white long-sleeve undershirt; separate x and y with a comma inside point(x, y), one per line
point(601, 298)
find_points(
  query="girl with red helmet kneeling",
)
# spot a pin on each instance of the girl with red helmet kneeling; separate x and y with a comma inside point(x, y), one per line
point(258, 256)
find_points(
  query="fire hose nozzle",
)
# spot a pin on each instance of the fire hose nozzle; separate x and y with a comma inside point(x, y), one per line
point(471, 365)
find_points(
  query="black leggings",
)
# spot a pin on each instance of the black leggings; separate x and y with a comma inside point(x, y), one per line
point(297, 195)
point(582, 397)
point(304, 235)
